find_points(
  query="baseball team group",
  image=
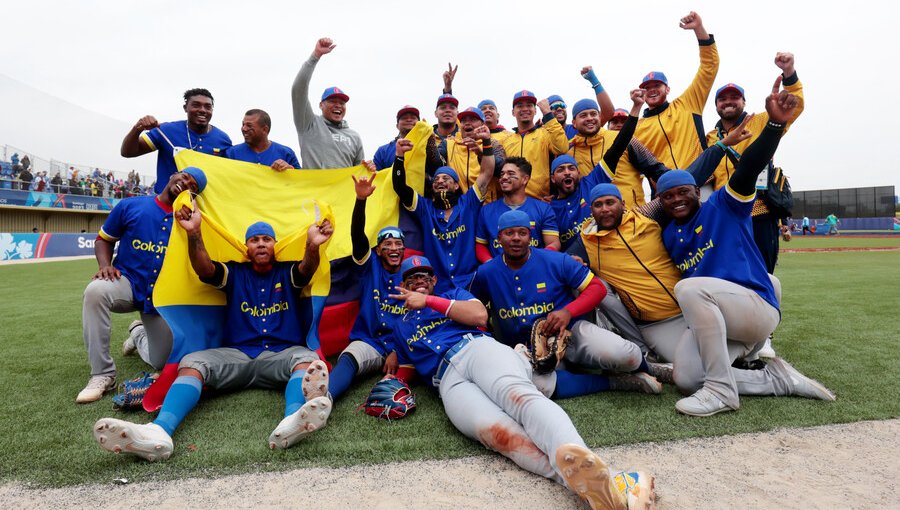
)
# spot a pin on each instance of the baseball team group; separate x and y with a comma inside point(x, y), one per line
point(539, 231)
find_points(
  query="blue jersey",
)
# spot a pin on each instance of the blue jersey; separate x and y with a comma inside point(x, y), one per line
point(421, 337)
point(544, 284)
point(276, 151)
point(385, 155)
point(718, 243)
point(262, 313)
point(574, 209)
point(377, 312)
point(142, 226)
point(450, 244)
point(543, 221)
point(570, 131)
point(214, 142)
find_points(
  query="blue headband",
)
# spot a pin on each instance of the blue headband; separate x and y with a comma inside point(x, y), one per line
point(198, 176)
point(447, 170)
point(674, 178)
point(584, 104)
point(561, 160)
point(487, 102)
point(511, 219)
point(260, 228)
point(604, 190)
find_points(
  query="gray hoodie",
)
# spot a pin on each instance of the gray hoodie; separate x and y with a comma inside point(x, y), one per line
point(323, 144)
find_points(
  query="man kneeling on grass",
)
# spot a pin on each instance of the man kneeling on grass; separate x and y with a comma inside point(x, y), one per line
point(259, 349)
point(488, 394)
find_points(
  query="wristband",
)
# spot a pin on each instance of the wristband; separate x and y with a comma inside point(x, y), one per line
point(722, 146)
point(487, 151)
point(775, 125)
point(439, 304)
point(597, 88)
point(400, 158)
point(592, 78)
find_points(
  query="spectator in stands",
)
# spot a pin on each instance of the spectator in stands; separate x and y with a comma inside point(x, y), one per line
point(25, 179)
point(57, 183)
point(26, 162)
point(195, 133)
point(110, 177)
point(257, 148)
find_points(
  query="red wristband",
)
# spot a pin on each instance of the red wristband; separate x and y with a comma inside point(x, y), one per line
point(438, 304)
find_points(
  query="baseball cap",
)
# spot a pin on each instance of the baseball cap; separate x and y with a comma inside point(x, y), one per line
point(487, 102)
point(730, 86)
point(447, 98)
point(653, 76)
point(512, 219)
point(260, 228)
point(471, 112)
point(524, 95)
point(389, 233)
point(620, 112)
point(605, 189)
point(674, 178)
point(584, 104)
point(334, 92)
point(408, 109)
point(198, 176)
point(415, 264)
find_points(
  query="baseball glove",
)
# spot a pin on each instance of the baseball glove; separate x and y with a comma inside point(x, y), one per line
point(390, 399)
point(131, 392)
point(546, 351)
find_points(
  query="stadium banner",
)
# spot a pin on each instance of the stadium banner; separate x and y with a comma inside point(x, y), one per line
point(14, 246)
point(56, 200)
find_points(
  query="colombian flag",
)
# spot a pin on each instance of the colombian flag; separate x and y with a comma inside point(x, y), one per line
point(239, 194)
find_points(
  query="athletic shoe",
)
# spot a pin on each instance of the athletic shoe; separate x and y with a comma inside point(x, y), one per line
point(641, 382)
point(128, 346)
point(799, 384)
point(663, 372)
point(702, 403)
point(315, 381)
point(96, 387)
point(149, 441)
point(588, 476)
point(767, 351)
point(303, 422)
point(131, 392)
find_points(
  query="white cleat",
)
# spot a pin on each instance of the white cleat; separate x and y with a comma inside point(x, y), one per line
point(702, 403)
point(315, 380)
point(306, 420)
point(148, 441)
point(97, 386)
point(767, 351)
point(799, 384)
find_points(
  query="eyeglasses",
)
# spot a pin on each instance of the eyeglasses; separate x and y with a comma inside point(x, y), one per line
point(558, 106)
point(417, 276)
point(389, 234)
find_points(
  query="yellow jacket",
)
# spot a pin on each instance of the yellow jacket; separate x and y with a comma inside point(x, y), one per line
point(673, 131)
point(635, 262)
point(757, 123)
point(588, 152)
point(536, 146)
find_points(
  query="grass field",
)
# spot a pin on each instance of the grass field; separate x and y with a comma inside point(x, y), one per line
point(840, 325)
point(806, 242)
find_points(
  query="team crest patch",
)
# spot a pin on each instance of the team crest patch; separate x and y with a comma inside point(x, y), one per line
point(541, 287)
point(699, 229)
point(278, 287)
point(216, 150)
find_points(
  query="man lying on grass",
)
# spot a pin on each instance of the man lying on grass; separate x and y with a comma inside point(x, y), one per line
point(488, 394)
point(262, 346)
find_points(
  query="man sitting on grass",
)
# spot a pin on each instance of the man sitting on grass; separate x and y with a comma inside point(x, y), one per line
point(262, 345)
point(488, 394)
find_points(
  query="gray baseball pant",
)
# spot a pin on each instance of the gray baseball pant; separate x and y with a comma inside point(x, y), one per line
point(101, 297)
point(488, 395)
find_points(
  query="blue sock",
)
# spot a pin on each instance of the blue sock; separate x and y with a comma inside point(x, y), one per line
point(181, 398)
point(572, 385)
point(293, 394)
point(340, 378)
point(644, 367)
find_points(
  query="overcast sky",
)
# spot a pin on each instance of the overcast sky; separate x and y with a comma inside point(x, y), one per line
point(126, 59)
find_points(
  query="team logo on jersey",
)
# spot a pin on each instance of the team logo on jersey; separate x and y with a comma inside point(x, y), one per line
point(216, 150)
point(525, 311)
point(699, 229)
point(139, 245)
point(695, 258)
point(263, 311)
point(541, 287)
point(583, 203)
point(278, 287)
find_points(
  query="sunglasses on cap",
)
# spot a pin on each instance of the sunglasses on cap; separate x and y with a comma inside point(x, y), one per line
point(390, 234)
point(558, 105)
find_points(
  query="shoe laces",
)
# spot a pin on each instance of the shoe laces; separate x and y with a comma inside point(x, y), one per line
point(98, 382)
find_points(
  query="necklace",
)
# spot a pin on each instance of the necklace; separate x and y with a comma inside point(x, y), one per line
point(190, 143)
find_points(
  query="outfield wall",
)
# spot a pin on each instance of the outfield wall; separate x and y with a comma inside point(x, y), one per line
point(18, 246)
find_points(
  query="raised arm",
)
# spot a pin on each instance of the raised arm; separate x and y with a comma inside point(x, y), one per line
point(623, 139)
point(407, 195)
point(488, 162)
point(303, 112)
point(132, 145)
point(780, 105)
point(697, 93)
point(316, 236)
point(364, 189)
point(190, 221)
point(607, 109)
